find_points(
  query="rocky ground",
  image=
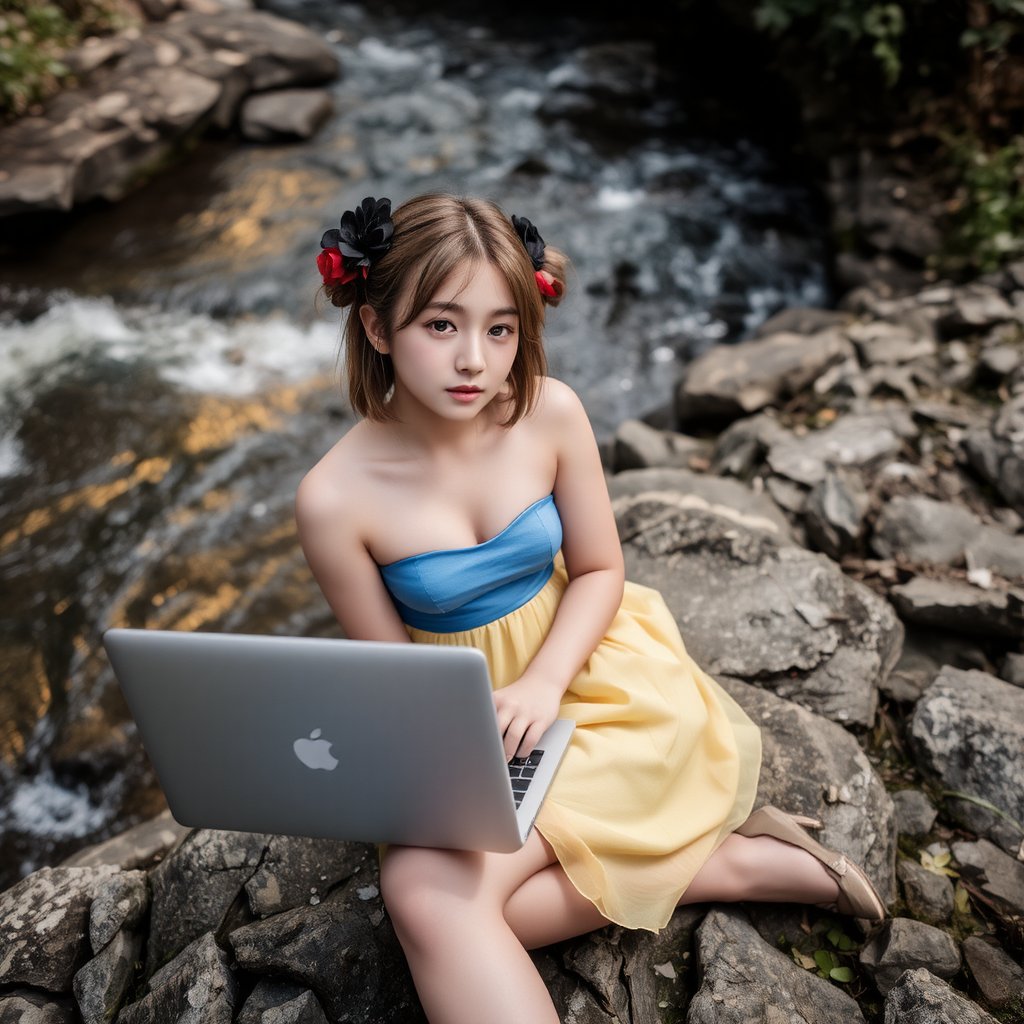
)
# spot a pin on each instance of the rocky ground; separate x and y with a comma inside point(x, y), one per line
point(833, 511)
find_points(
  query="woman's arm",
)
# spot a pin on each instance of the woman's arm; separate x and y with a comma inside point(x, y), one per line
point(594, 562)
point(342, 566)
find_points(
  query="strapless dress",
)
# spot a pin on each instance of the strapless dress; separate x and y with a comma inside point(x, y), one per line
point(663, 765)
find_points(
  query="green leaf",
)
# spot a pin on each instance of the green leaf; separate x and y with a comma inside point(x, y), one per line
point(825, 960)
point(843, 974)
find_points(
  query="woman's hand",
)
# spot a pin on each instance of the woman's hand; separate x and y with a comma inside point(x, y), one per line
point(526, 708)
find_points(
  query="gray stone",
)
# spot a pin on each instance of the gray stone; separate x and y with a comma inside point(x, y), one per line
point(915, 814)
point(120, 901)
point(864, 439)
point(746, 981)
point(196, 985)
point(918, 997)
point(29, 1006)
point(137, 847)
point(682, 485)
point(949, 604)
point(1013, 669)
point(284, 114)
point(929, 896)
point(740, 448)
point(924, 530)
point(997, 451)
point(877, 341)
point(834, 513)
point(281, 1002)
point(44, 926)
point(1000, 979)
point(751, 608)
point(101, 985)
point(296, 869)
point(734, 380)
point(901, 944)
point(365, 977)
point(967, 731)
point(976, 305)
point(195, 887)
point(1000, 876)
point(814, 767)
point(639, 446)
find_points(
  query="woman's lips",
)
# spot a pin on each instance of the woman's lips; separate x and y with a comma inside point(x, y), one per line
point(463, 395)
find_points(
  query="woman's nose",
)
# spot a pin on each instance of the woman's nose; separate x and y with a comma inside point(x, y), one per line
point(471, 353)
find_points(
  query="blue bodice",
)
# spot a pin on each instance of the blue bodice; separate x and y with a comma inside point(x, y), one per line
point(452, 589)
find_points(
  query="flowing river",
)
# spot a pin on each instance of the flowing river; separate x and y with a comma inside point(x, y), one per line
point(166, 378)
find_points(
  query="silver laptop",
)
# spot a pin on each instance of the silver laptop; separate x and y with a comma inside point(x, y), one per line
point(338, 739)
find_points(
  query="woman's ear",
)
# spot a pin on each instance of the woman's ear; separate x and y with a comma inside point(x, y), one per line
point(372, 326)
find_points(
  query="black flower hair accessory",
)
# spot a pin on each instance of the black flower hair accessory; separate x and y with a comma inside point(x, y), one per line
point(364, 236)
point(534, 245)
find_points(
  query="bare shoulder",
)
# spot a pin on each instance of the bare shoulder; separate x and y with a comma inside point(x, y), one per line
point(558, 404)
point(334, 489)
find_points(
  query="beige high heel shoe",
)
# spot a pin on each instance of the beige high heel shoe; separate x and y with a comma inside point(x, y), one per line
point(857, 896)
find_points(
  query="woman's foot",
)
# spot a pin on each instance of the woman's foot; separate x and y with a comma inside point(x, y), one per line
point(857, 896)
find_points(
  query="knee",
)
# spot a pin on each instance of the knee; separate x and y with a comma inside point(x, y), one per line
point(418, 886)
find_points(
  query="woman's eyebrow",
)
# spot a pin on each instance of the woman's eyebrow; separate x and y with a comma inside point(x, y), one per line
point(455, 307)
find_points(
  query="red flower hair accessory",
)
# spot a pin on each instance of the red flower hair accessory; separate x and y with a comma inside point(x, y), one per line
point(534, 246)
point(364, 236)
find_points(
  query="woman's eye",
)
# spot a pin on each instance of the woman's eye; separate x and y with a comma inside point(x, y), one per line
point(434, 323)
point(502, 327)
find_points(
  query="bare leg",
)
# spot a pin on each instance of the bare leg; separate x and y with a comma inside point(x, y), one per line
point(446, 908)
point(548, 908)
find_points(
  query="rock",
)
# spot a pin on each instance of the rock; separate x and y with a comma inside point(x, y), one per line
point(1013, 669)
point(100, 985)
point(136, 847)
point(294, 869)
point(365, 977)
point(196, 985)
point(284, 114)
point(999, 875)
point(997, 451)
point(758, 510)
point(195, 887)
point(281, 1002)
point(967, 731)
point(880, 342)
point(746, 981)
point(639, 446)
point(734, 380)
point(29, 1006)
point(613, 969)
point(1000, 979)
point(918, 997)
point(950, 604)
point(915, 814)
point(924, 530)
point(924, 653)
point(814, 767)
point(751, 608)
point(975, 305)
point(740, 447)
point(120, 902)
point(146, 94)
point(44, 926)
point(863, 439)
point(929, 896)
point(902, 944)
point(834, 512)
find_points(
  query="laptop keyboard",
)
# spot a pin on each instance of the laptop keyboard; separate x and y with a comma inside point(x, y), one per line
point(521, 771)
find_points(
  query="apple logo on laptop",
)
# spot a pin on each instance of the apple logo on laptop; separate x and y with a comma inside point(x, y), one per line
point(315, 753)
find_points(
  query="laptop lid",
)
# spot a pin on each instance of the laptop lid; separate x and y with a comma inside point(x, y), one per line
point(343, 739)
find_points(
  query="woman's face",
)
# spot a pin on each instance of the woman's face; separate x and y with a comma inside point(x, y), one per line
point(455, 356)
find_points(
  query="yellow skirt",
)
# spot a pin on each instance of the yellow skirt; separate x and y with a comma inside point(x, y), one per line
point(663, 764)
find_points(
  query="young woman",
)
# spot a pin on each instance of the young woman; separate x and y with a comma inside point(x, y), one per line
point(469, 506)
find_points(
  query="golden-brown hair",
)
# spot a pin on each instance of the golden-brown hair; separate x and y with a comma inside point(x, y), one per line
point(434, 234)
